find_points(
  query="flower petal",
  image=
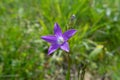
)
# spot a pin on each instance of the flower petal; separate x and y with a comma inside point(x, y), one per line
point(57, 30)
point(65, 47)
point(52, 48)
point(68, 34)
point(50, 38)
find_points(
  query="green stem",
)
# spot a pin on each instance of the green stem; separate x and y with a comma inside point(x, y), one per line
point(69, 65)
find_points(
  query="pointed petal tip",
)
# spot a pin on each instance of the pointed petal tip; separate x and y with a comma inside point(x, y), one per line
point(56, 23)
point(53, 48)
point(49, 52)
point(68, 34)
point(42, 37)
point(57, 30)
point(67, 51)
point(74, 30)
point(65, 47)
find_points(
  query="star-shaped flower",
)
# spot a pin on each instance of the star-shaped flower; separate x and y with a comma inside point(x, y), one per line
point(59, 40)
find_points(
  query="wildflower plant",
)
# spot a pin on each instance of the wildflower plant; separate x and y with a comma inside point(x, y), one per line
point(60, 40)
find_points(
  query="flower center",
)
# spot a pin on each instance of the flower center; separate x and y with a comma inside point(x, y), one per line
point(60, 40)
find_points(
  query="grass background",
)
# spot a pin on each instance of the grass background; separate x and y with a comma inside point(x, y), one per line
point(96, 45)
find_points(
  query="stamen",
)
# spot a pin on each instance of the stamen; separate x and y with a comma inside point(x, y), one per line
point(60, 40)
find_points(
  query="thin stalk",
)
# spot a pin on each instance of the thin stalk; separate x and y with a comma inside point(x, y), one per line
point(69, 66)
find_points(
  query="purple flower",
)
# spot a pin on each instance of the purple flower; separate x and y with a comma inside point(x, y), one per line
point(59, 40)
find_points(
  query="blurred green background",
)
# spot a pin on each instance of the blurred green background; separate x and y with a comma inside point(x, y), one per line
point(96, 45)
